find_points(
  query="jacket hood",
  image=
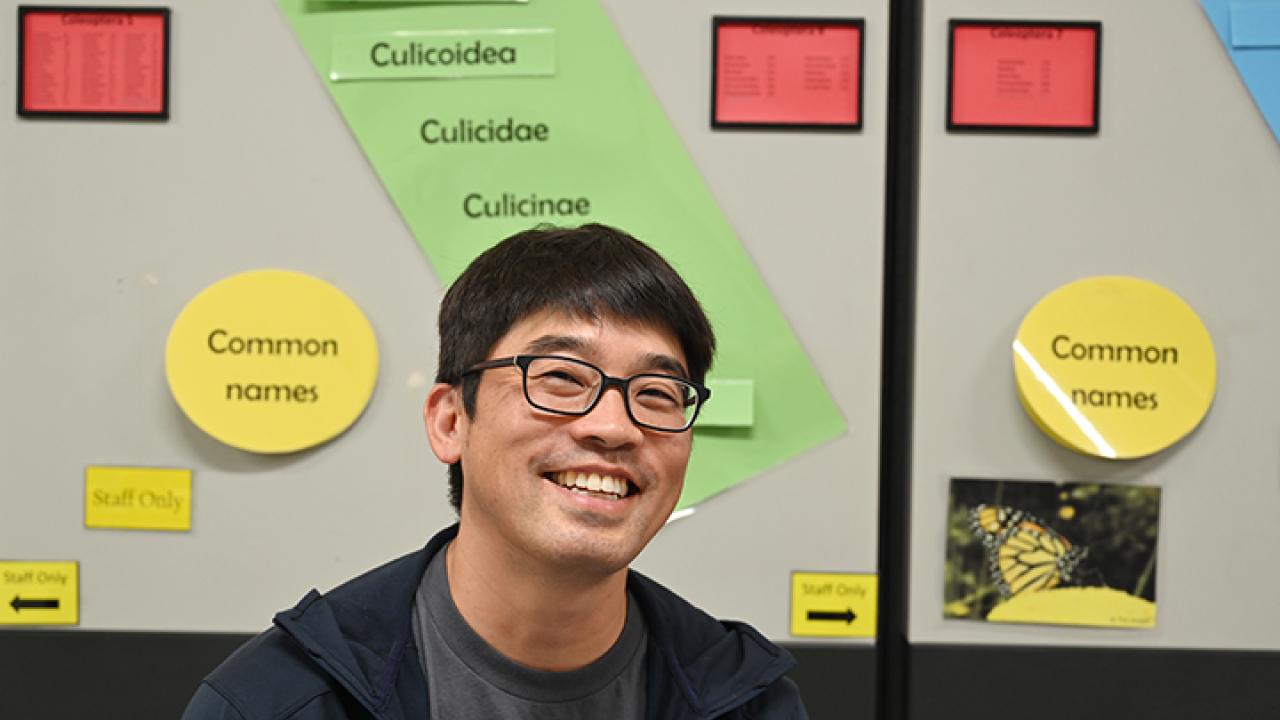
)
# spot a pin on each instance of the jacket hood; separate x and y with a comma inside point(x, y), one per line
point(716, 665)
point(359, 632)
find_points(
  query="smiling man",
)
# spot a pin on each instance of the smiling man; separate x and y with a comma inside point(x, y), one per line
point(571, 370)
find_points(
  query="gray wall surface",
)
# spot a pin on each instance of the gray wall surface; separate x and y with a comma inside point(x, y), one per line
point(107, 229)
point(1178, 187)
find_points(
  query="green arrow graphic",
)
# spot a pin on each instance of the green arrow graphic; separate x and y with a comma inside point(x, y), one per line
point(597, 147)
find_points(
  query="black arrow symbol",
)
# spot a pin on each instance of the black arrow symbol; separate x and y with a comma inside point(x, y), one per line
point(19, 604)
point(846, 615)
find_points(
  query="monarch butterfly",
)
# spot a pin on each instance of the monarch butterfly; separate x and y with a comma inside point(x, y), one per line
point(1024, 553)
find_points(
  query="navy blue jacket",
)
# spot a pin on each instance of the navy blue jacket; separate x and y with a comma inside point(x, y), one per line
point(351, 654)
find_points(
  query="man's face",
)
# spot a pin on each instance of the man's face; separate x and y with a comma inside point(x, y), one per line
point(517, 459)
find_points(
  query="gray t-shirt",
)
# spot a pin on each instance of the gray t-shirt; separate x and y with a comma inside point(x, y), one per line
point(467, 678)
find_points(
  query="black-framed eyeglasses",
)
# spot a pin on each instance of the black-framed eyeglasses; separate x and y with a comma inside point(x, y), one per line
point(568, 386)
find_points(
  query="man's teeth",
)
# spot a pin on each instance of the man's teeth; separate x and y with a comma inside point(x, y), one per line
point(593, 482)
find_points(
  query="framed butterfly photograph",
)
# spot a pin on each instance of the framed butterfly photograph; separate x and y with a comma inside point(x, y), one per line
point(1052, 553)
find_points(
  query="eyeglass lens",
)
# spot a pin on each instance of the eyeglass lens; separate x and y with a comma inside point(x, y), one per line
point(564, 385)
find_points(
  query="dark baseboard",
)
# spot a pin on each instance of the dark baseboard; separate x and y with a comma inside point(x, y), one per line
point(958, 682)
point(65, 674)
point(55, 674)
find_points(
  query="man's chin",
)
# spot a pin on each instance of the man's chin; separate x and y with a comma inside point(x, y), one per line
point(593, 555)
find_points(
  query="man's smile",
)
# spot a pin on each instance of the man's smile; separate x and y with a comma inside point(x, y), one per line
point(597, 484)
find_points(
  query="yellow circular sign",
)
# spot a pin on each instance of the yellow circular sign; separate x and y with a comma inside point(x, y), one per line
point(1115, 367)
point(272, 361)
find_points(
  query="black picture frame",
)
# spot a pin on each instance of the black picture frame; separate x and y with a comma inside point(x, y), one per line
point(719, 21)
point(164, 13)
point(1091, 129)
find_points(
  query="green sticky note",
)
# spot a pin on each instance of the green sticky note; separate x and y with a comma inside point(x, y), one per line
point(732, 405)
point(399, 54)
point(470, 161)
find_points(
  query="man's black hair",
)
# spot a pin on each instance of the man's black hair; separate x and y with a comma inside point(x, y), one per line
point(588, 272)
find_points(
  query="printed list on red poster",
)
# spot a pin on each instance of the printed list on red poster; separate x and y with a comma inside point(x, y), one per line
point(776, 73)
point(93, 62)
point(1024, 76)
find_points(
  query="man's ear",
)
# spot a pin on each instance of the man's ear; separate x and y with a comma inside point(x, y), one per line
point(446, 422)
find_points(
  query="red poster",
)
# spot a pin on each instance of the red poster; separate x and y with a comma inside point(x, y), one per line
point(1008, 76)
point(787, 73)
point(95, 62)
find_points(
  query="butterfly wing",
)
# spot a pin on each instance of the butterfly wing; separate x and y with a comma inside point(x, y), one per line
point(992, 522)
point(1029, 559)
point(1023, 553)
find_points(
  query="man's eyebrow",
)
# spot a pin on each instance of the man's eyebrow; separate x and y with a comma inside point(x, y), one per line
point(571, 343)
point(556, 343)
point(666, 363)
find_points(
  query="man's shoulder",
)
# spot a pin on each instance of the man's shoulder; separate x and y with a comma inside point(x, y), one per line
point(268, 677)
point(716, 668)
point(357, 631)
point(780, 701)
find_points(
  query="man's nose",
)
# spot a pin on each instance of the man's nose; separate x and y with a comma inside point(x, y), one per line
point(608, 424)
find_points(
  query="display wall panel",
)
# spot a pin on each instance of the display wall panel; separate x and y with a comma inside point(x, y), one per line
point(1169, 190)
point(110, 229)
point(792, 198)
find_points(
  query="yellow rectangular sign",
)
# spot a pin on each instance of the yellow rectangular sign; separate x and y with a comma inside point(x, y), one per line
point(137, 498)
point(833, 605)
point(40, 593)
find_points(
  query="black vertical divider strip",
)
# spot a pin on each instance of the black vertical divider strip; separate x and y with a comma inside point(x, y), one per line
point(898, 353)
